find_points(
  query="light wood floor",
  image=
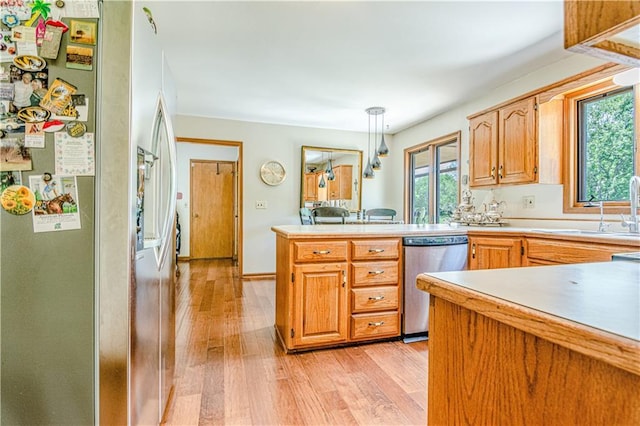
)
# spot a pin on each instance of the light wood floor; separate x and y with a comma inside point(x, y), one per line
point(231, 370)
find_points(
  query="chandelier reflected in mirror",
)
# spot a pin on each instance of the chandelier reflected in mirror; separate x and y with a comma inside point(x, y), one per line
point(374, 163)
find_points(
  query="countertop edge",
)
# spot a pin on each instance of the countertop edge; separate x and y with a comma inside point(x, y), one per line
point(610, 348)
point(409, 230)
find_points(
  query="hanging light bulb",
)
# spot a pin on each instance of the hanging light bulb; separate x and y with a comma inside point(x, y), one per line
point(322, 183)
point(375, 163)
point(329, 170)
point(368, 171)
point(383, 150)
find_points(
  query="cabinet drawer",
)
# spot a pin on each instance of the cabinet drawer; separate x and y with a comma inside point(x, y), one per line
point(320, 251)
point(374, 273)
point(368, 299)
point(375, 249)
point(366, 326)
point(554, 251)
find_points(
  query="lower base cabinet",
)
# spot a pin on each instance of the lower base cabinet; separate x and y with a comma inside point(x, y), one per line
point(486, 372)
point(320, 297)
point(495, 252)
point(542, 251)
point(334, 291)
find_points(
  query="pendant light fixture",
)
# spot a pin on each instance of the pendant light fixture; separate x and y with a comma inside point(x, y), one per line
point(322, 183)
point(329, 170)
point(374, 163)
point(383, 150)
point(368, 170)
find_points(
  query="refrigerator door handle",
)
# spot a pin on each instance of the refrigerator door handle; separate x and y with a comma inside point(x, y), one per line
point(164, 148)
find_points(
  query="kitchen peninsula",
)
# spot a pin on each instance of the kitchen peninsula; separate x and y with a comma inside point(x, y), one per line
point(544, 345)
point(343, 284)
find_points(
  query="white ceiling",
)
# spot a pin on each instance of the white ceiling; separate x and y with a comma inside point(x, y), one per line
point(320, 64)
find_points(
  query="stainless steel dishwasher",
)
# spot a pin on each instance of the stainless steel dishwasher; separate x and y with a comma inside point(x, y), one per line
point(427, 254)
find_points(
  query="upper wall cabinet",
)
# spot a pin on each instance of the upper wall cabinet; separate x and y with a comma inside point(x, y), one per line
point(503, 145)
point(603, 28)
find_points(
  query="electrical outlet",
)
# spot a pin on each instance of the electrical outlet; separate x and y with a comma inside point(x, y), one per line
point(261, 204)
point(529, 201)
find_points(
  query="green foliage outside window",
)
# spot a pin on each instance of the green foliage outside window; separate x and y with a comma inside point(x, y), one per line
point(607, 147)
point(448, 196)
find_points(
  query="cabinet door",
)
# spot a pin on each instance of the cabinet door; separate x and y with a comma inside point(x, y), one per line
point(311, 187)
point(517, 141)
point(483, 149)
point(333, 186)
point(492, 253)
point(340, 187)
point(346, 180)
point(321, 311)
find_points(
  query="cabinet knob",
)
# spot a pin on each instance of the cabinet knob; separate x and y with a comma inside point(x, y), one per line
point(376, 298)
point(376, 250)
point(321, 251)
point(376, 324)
point(500, 172)
point(376, 272)
point(493, 172)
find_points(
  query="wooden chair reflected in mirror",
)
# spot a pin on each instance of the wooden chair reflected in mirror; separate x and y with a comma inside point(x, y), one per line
point(381, 214)
point(329, 215)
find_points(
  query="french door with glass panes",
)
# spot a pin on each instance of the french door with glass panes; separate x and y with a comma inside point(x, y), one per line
point(433, 180)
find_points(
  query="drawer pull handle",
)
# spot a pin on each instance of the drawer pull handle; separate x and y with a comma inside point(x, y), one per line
point(376, 324)
point(376, 272)
point(377, 298)
point(321, 251)
point(376, 250)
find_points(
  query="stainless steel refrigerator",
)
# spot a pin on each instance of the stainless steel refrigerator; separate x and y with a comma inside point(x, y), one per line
point(86, 317)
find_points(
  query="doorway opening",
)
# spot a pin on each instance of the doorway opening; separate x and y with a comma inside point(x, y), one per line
point(211, 204)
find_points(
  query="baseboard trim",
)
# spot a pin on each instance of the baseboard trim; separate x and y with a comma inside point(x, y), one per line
point(259, 276)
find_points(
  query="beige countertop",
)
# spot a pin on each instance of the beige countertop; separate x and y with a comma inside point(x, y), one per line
point(407, 230)
point(593, 308)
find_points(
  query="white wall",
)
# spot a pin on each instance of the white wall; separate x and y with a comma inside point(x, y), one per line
point(262, 142)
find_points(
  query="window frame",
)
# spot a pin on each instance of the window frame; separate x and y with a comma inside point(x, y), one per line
point(571, 149)
point(432, 145)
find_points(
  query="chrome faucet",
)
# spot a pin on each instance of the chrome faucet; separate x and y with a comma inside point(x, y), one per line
point(634, 190)
point(602, 227)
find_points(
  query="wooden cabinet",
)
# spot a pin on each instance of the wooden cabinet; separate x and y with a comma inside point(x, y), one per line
point(483, 149)
point(320, 303)
point(311, 187)
point(341, 187)
point(488, 251)
point(545, 251)
point(495, 252)
point(503, 145)
point(605, 29)
point(496, 362)
point(375, 288)
point(336, 291)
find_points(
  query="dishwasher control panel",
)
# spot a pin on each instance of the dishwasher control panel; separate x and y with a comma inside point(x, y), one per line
point(435, 240)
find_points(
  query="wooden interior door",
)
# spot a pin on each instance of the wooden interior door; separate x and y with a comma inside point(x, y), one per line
point(212, 209)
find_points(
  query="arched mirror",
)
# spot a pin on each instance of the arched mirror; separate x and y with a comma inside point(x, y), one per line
point(331, 177)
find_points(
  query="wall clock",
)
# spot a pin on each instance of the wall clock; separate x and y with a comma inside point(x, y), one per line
point(272, 173)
